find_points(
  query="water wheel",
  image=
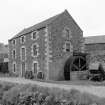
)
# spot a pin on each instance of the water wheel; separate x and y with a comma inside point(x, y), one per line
point(78, 64)
point(74, 63)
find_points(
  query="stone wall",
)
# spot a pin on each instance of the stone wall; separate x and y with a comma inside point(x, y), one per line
point(29, 58)
point(57, 39)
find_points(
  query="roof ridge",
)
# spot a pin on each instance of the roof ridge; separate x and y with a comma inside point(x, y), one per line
point(93, 36)
point(37, 26)
point(95, 39)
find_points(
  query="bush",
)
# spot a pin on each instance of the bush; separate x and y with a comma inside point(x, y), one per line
point(29, 75)
point(40, 75)
point(37, 95)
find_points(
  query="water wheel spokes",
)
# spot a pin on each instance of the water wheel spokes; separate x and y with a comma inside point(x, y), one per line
point(79, 64)
point(84, 66)
point(75, 66)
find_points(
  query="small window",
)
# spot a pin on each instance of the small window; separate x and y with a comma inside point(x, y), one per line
point(14, 67)
point(14, 54)
point(23, 53)
point(67, 47)
point(14, 42)
point(23, 68)
point(67, 33)
point(34, 35)
point(35, 66)
point(22, 39)
point(35, 49)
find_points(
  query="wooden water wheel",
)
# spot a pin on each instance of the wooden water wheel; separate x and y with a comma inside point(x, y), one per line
point(78, 64)
point(74, 63)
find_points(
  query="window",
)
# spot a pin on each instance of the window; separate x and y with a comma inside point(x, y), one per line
point(35, 50)
point(14, 42)
point(23, 69)
point(67, 46)
point(22, 39)
point(14, 54)
point(35, 66)
point(14, 67)
point(34, 35)
point(67, 33)
point(23, 53)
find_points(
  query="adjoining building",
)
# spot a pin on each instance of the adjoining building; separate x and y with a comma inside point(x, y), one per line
point(95, 46)
point(4, 58)
point(47, 47)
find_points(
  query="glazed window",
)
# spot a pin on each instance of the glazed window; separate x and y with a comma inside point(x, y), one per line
point(35, 67)
point(14, 54)
point(23, 53)
point(14, 67)
point(34, 35)
point(67, 47)
point(23, 68)
point(14, 42)
point(68, 33)
point(22, 39)
point(35, 50)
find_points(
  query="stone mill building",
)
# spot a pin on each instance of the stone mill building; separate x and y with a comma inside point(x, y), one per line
point(46, 47)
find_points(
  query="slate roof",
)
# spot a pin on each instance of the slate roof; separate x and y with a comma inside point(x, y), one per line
point(36, 26)
point(95, 39)
point(42, 24)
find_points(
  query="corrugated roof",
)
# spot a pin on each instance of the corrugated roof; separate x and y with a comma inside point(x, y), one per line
point(95, 39)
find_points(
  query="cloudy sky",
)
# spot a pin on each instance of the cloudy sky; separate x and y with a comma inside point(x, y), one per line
point(16, 15)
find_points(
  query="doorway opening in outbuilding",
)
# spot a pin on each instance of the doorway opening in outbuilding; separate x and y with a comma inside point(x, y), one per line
point(77, 62)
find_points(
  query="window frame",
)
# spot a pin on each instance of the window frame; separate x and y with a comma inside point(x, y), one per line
point(21, 53)
point(14, 56)
point(65, 33)
point(37, 46)
point(14, 63)
point(14, 40)
point(36, 35)
point(22, 42)
point(65, 46)
point(35, 61)
point(25, 65)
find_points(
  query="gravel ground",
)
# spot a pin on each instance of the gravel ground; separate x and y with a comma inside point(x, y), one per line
point(95, 90)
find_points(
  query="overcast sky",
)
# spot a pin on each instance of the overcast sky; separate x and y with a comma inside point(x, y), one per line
point(16, 15)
